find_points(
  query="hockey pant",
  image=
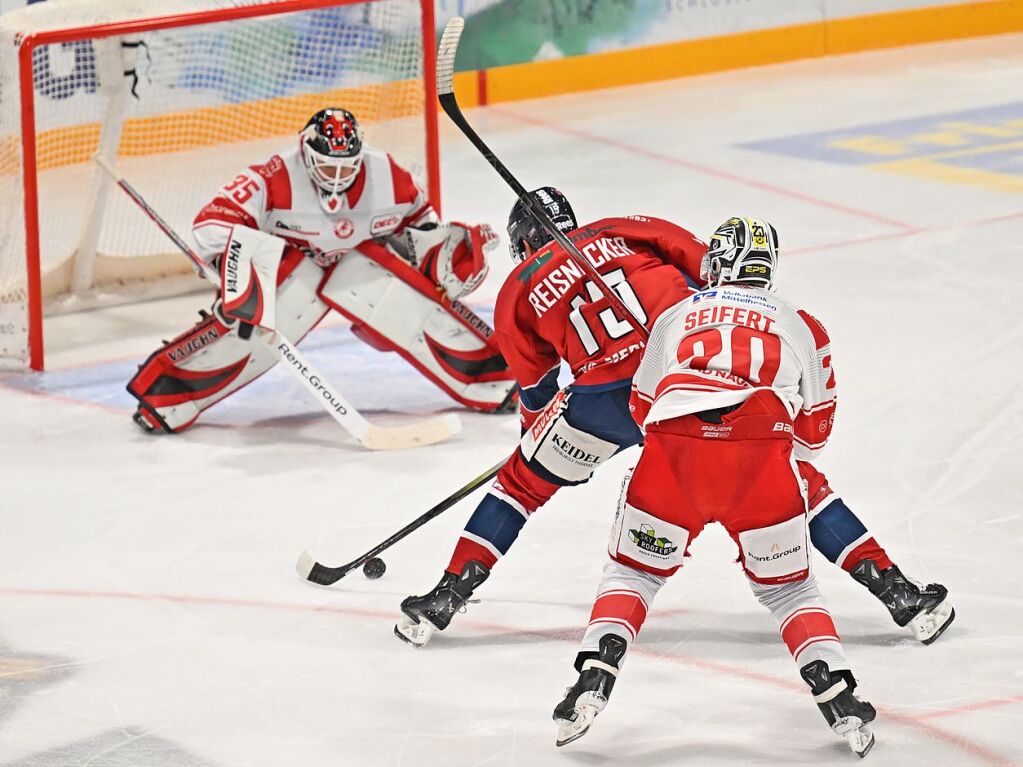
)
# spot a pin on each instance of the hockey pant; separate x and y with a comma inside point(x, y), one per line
point(742, 475)
point(211, 361)
point(396, 308)
point(579, 430)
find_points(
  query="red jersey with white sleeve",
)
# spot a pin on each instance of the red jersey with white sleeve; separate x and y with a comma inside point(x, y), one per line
point(548, 310)
point(720, 346)
point(278, 198)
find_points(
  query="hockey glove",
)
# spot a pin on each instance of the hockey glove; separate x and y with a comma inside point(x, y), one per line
point(452, 255)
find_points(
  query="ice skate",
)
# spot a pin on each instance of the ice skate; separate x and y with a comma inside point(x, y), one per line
point(424, 615)
point(588, 696)
point(848, 715)
point(927, 610)
point(145, 421)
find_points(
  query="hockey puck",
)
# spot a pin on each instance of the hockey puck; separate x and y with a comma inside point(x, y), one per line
point(374, 568)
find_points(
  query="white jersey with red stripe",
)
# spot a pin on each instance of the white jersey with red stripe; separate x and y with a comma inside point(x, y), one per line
point(719, 346)
point(279, 198)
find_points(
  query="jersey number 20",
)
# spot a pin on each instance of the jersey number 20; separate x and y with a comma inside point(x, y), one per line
point(614, 327)
point(755, 356)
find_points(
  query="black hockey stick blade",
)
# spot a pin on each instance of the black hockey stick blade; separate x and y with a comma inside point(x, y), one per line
point(446, 93)
point(313, 571)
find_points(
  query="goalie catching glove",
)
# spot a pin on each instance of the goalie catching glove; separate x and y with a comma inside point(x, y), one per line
point(451, 255)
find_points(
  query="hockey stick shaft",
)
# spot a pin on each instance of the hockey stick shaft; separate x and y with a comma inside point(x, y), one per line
point(330, 398)
point(157, 219)
point(445, 89)
point(313, 571)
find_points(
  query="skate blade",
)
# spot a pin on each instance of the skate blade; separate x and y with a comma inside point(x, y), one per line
point(410, 632)
point(929, 625)
point(860, 740)
point(572, 731)
point(856, 733)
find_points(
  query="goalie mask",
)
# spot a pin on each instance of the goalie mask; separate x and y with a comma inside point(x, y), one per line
point(524, 228)
point(332, 153)
point(741, 250)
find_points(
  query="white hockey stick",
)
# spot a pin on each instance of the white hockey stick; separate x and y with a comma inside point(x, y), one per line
point(426, 432)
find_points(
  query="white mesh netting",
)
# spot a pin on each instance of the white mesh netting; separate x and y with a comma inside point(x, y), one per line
point(182, 109)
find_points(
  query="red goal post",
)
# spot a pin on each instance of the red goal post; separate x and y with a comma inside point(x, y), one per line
point(181, 102)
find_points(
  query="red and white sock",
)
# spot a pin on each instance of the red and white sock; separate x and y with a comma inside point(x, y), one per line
point(805, 623)
point(622, 603)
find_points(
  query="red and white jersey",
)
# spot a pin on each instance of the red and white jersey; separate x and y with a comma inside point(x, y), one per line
point(279, 198)
point(548, 310)
point(719, 346)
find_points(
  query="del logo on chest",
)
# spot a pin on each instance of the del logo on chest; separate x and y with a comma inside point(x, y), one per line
point(382, 224)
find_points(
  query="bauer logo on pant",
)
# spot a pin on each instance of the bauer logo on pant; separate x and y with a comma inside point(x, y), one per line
point(647, 539)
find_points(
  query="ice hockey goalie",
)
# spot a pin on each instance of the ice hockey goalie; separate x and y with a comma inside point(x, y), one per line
point(356, 236)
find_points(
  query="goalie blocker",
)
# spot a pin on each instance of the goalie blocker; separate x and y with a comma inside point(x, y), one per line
point(391, 304)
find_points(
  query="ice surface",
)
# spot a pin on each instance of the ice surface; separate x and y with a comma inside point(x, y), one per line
point(150, 611)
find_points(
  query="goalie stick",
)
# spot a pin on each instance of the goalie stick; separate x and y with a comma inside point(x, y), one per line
point(313, 571)
point(446, 93)
point(371, 436)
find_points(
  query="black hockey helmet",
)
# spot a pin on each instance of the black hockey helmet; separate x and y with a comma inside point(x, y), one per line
point(742, 250)
point(523, 228)
point(332, 150)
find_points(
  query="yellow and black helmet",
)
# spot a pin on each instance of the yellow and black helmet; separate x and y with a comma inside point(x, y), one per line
point(743, 250)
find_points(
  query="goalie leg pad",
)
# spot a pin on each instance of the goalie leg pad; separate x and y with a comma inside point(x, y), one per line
point(395, 307)
point(212, 360)
point(170, 388)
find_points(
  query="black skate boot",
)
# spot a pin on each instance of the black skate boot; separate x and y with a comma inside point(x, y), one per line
point(927, 610)
point(847, 714)
point(424, 615)
point(588, 696)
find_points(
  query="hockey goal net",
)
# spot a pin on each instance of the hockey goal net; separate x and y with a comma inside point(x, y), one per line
point(178, 97)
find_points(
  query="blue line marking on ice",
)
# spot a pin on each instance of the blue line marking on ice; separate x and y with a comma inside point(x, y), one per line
point(985, 136)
